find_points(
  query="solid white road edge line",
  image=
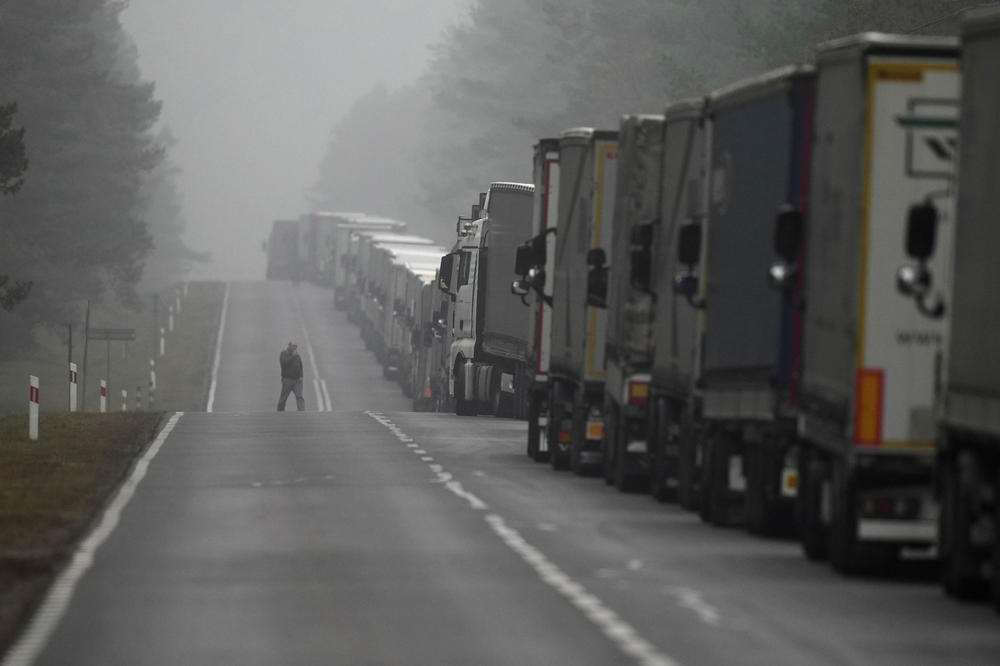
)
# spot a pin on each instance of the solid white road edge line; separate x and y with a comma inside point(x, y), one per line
point(623, 635)
point(218, 351)
point(47, 618)
point(312, 357)
point(326, 395)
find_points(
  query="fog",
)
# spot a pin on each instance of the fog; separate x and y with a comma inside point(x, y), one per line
point(251, 90)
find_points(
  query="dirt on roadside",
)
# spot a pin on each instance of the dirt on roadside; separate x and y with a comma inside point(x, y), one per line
point(51, 491)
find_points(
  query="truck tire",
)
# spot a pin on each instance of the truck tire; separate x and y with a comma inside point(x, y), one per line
point(577, 439)
point(848, 555)
point(813, 534)
point(534, 434)
point(463, 407)
point(502, 404)
point(558, 458)
point(688, 486)
point(995, 554)
point(656, 434)
point(766, 511)
point(959, 564)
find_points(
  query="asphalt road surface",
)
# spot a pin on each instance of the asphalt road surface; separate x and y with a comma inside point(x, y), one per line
point(371, 535)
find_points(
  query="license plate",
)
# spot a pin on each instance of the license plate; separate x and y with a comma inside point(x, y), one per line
point(595, 430)
point(789, 483)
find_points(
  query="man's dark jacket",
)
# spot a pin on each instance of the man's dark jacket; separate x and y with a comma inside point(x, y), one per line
point(291, 365)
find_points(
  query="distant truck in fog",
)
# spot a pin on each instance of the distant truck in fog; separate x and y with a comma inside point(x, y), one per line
point(283, 260)
point(489, 328)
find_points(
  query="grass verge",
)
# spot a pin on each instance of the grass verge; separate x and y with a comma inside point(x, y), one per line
point(50, 493)
point(181, 374)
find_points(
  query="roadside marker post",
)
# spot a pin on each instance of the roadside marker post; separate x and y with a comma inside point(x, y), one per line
point(152, 382)
point(73, 381)
point(170, 319)
point(185, 290)
point(163, 341)
point(33, 399)
point(104, 396)
point(138, 398)
point(124, 400)
point(177, 307)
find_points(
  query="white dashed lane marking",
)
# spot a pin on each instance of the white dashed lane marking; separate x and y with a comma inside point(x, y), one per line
point(623, 635)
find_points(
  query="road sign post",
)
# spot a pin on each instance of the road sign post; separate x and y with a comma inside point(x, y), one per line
point(72, 387)
point(110, 335)
point(33, 399)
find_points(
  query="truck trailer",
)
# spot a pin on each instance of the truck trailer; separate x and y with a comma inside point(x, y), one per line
point(489, 327)
point(533, 261)
point(629, 345)
point(676, 279)
point(885, 133)
point(283, 251)
point(758, 159)
point(588, 162)
point(968, 469)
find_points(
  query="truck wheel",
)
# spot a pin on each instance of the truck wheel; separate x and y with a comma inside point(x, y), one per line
point(688, 488)
point(960, 566)
point(995, 555)
point(503, 405)
point(813, 534)
point(558, 453)
point(463, 407)
point(848, 555)
point(533, 428)
point(715, 478)
point(767, 512)
point(655, 445)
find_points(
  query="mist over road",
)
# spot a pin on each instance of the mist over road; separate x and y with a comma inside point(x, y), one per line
point(371, 534)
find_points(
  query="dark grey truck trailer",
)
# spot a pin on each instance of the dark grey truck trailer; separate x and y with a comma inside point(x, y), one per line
point(629, 344)
point(968, 470)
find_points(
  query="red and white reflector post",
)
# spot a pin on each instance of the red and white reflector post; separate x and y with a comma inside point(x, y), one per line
point(124, 400)
point(33, 397)
point(104, 396)
point(72, 387)
point(152, 381)
point(177, 304)
point(170, 319)
point(163, 341)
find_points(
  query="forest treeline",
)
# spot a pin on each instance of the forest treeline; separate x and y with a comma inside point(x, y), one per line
point(89, 206)
point(516, 70)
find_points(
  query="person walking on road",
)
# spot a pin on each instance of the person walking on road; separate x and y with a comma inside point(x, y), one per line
point(291, 377)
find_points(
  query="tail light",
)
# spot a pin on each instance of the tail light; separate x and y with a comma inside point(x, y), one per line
point(869, 388)
point(638, 393)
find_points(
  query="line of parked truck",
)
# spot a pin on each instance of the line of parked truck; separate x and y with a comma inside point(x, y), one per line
point(775, 304)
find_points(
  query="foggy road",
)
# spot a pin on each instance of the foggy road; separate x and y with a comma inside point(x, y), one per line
point(370, 534)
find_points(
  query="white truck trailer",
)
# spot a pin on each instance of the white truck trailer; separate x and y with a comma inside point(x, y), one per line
point(588, 163)
point(872, 361)
point(533, 261)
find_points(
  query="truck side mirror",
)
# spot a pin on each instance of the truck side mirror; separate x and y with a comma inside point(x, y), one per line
point(597, 285)
point(445, 272)
point(641, 256)
point(538, 248)
point(689, 244)
point(921, 231)
point(788, 234)
point(519, 288)
point(523, 260)
point(916, 281)
point(596, 258)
